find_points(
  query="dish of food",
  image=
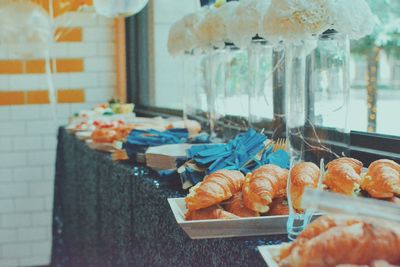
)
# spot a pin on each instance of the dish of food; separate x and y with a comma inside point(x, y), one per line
point(228, 194)
point(340, 241)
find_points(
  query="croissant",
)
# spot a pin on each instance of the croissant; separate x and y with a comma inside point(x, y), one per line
point(382, 179)
point(395, 200)
point(378, 263)
point(216, 187)
point(304, 174)
point(343, 175)
point(236, 206)
point(320, 225)
point(263, 185)
point(358, 243)
point(104, 135)
point(279, 206)
point(210, 213)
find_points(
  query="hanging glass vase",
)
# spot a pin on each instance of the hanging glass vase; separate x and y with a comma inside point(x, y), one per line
point(266, 87)
point(196, 93)
point(235, 98)
point(204, 83)
point(215, 83)
point(317, 85)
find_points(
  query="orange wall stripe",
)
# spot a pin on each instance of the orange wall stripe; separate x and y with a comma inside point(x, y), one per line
point(35, 66)
point(71, 96)
point(62, 6)
point(68, 34)
point(38, 66)
point(70, 65)
point(12, 98)
point(10, 66)
point(41, 97)
point(38, 97)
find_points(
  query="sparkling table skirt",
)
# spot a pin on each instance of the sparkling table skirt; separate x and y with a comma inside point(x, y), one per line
point(113, 214)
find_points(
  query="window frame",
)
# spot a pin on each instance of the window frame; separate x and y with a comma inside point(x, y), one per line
point(364, 146)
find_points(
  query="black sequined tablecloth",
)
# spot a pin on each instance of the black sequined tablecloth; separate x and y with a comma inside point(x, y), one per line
point(113, 214)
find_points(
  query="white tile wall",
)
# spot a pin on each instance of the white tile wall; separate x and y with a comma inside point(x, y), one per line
point(28, 140)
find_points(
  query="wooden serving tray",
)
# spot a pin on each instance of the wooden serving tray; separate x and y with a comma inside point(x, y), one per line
point(202, 229)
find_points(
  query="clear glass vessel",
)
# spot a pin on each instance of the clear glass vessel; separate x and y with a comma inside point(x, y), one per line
point(216, 94)
point(266, 87)
point(317, 85)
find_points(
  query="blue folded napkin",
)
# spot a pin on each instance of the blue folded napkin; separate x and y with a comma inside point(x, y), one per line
point(139, 140)
point(238, 154)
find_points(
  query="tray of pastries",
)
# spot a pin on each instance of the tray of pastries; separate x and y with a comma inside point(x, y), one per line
point(340, 241)
point(227, 203)
point(227, 226)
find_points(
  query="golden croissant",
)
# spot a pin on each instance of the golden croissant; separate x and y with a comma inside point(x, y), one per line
point(343, 242)
point(378, 263)
point(304, 174)
point(216, 187)
point(343, 175)
point(382, 179)
point(263, 185)
point(236, 206)
point(279, 206)
point(210, 213)
point(322, 224)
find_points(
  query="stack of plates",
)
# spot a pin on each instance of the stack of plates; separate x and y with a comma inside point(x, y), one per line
point(165, 157)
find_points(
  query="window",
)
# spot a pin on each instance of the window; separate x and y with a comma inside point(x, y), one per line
point(374, 68)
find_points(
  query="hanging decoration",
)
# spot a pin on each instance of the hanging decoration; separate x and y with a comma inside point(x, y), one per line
point(17, 31)
point(119, 8)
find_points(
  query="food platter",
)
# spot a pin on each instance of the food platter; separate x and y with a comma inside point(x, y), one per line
point(268, 253)
point(105, 147)
point(202, 229)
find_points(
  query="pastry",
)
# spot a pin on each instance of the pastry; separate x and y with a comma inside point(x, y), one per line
point(378, 263)
point(263, 185)
point(339, 241)
point(236, 206)
point(304, 174)
point(317, 227)
point(279, 206)
point(210, 213)
point(343, 175)
point(104, 135)
point(215, 188)
point(382, 179)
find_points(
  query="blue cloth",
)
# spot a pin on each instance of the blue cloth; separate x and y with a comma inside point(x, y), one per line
point(238, 154)
point(139, 140)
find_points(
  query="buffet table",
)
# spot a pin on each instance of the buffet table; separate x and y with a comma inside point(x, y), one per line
point(113, 214)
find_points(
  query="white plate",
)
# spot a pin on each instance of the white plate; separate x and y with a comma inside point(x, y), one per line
point(269, 253)
point(105, 147)
point(85, 135)
point(201, 229)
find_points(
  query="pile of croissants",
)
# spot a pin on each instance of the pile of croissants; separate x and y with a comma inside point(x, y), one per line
point(343, 242)
point(228, 194)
